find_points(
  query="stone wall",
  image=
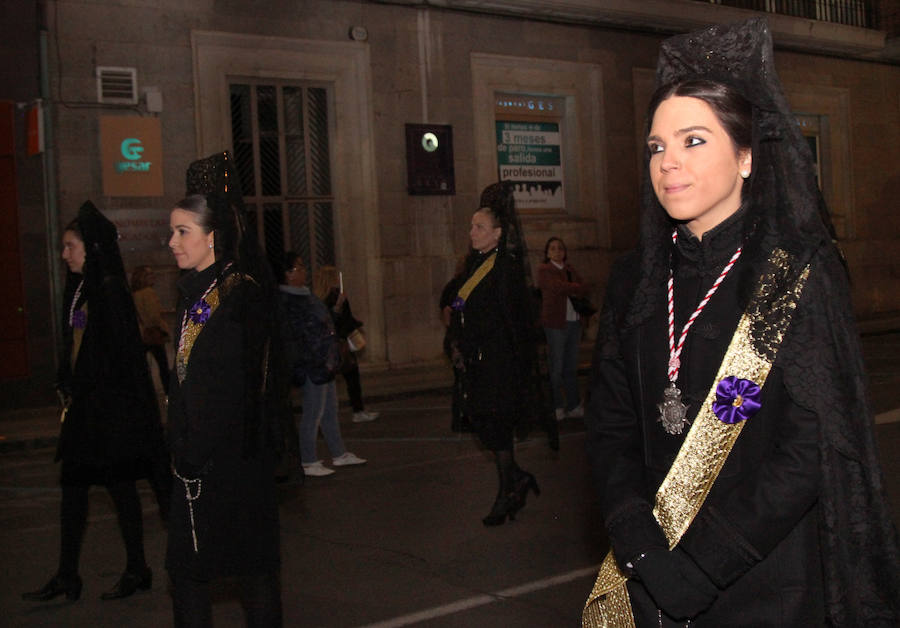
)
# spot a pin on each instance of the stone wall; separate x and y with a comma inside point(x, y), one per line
point(420, 69)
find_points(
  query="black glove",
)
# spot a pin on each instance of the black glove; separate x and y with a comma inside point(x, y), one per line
point(677, 585)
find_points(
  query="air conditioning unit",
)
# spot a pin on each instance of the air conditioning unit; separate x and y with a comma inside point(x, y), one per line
point(117, 85)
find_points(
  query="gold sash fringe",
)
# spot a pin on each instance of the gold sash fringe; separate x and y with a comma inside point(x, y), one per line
point(709, 441)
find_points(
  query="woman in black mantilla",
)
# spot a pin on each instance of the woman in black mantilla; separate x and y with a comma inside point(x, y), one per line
point(755, 366)
point(491, 338)
point(224, 407)
point(111, 433)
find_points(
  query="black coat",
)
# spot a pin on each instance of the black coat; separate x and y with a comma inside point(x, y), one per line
point(491, 333)
point(212, 415)
point(312, 345)
point(756, 535)
point(112, 424)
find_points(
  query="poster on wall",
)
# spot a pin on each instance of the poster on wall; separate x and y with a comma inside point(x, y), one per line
point(131, 154)
point(141, 229)
point(528, 154)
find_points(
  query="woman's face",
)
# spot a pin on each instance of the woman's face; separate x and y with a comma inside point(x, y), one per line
point(73, 251)
point(695, 168)
point(296, 274)
point(483, 233)
point(192, 248)
point(557, 252)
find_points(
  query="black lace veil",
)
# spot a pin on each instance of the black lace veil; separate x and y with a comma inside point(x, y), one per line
point(112, 325)
point(512, 246)
point(235, 242)
point(103, 260)
point(782, 197)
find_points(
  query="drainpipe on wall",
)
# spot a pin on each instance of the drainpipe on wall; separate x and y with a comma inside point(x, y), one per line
point(51, 209)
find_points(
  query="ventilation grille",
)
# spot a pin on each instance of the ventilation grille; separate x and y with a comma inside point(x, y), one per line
point(117, 85)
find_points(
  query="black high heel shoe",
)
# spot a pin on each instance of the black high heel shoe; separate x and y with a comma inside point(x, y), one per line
point(525, 483)
point(58, 585)
point(504, 506)
point(129, 583)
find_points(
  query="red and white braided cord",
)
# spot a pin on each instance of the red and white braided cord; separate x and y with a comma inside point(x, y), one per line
point(675, 350)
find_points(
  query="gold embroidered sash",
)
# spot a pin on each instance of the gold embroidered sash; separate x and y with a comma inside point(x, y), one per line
point(709, 441)
point(476, 277)
point(191, 332)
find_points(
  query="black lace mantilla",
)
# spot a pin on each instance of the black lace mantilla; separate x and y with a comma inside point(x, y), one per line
point(824, 372)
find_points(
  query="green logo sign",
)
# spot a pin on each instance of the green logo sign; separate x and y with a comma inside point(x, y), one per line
point(132, 150)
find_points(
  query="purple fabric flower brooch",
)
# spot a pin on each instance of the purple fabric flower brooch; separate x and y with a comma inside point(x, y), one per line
point(200, 312)
point(79, 319)
point(736, 400)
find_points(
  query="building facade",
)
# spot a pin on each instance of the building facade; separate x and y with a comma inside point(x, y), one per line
point(364, 132)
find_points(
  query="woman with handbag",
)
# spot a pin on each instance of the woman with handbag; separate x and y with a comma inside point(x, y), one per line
point(149, 312)
point(328, 287)
point(562, 295)
point(315, 357)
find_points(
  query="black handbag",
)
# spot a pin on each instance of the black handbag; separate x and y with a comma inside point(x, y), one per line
point(583, 306)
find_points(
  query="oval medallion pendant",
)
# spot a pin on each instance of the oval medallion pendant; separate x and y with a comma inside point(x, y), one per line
point(672, 412)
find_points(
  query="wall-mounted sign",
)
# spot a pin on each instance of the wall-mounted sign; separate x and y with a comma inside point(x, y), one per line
point(131, 150)
point(429, 159)
point(528, 154)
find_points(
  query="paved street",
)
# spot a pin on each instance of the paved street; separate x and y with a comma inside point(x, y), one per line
point(396, 542)
point(369, 544)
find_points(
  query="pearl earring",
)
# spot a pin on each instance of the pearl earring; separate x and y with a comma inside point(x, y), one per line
point(210, 246)
point(745, 174)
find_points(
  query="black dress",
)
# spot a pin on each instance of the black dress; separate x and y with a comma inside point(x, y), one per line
point(112, 429)
point(491, 334)
point(760, 536)
point(111, 435)
point(214, 414)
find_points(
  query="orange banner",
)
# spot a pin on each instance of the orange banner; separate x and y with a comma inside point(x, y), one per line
point(131, 152)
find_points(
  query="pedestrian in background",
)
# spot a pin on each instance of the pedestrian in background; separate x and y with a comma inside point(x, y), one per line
point(315, 357)
point(110, 429)
point(491, 333)
point(728, 425)
point(559, 281)
point(328, 287)
point(225, 406)
point(152, 326)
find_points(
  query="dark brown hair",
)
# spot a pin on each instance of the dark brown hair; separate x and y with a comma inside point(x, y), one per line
point(547, 248)
point(196, 204)
point(733, 110)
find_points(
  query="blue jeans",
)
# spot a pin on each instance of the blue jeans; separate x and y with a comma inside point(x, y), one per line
point(562, 351)
point(319, 409)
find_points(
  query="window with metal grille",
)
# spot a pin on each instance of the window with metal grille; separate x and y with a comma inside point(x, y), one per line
point(851, 12)
point(280, 136)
